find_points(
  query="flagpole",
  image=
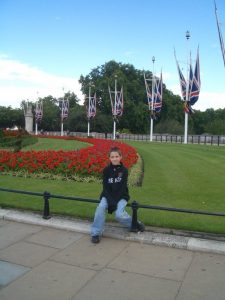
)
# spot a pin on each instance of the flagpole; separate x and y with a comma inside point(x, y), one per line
point(62, 117)
point(89, 99)
point(114, 113)
point(62, 113)
point(152, 103)
point(36, 125)
point(187, 92)
point(36, 121)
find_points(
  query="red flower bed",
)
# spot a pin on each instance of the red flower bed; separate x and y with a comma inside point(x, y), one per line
point(86, 161)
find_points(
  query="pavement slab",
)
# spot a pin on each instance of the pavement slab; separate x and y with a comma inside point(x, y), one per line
point(54, 238)
point(9, 272)
point(154, 261)
point(120, 285)
point(205, 279)
point(84, 254)
point(3, 222)
point(26, 254)
point(12, 232)
point(50, 280)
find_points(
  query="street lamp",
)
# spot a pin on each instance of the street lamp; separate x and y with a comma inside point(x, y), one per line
point(187, 90)
point(114, 110)
point(89, 104)
point(188, 35)
point(152, 100)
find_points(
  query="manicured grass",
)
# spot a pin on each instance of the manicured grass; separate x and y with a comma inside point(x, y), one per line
point(175, 175)
point(56, 144)
point(183, 176)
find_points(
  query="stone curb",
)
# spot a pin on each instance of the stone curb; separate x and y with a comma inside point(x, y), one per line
point(147, 237)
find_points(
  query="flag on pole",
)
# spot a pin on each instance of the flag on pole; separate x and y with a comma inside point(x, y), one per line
point(195, 82)
point(65, 109)
point(220, 35)
point(91, 111)
point(39, 111)
point(183, 83)
point(154, 103)
point(117, 103)
point(190, 88)
point(148, 92)
point(191, 76)
point(159, 91)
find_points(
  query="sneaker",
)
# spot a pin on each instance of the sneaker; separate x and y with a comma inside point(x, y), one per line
point(140, 226)
point(95, 239)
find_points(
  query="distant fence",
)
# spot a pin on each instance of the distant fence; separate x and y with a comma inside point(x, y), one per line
point(134, 205)
point(218, 140)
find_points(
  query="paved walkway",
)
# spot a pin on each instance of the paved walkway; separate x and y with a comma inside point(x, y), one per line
point(59, 262)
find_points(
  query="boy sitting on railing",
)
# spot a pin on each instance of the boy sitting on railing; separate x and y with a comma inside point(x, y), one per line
point(114, 196)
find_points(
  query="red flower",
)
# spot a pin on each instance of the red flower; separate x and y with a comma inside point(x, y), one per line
point(90, 160)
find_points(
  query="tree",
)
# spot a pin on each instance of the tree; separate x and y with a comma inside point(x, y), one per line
point(10, 117)
point(135, 112)
point(77, 120)
point(51, 114)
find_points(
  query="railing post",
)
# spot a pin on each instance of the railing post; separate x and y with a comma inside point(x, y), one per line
point(134, 224)
point(46, 213)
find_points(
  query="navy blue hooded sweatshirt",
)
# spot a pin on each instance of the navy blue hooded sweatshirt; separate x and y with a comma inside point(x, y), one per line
point(115, 185)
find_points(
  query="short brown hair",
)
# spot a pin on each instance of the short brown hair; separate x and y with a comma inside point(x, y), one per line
point(115, 149)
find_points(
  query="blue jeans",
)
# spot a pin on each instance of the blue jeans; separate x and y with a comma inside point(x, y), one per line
point(120, 214)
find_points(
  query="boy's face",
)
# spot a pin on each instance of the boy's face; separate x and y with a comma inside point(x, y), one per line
point(115, 158)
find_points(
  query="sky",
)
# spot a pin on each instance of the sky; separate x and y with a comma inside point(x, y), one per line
point(45, 45)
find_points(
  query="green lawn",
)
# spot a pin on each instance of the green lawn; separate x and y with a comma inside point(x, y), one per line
point(56, 144)
point(175, 175)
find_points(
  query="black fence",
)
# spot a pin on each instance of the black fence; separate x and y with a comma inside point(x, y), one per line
point(134, 205)
point(218, 140)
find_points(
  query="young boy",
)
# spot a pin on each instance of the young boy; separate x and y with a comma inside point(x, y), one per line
point(114, 196)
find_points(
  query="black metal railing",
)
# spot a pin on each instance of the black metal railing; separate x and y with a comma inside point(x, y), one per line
point(134, 206)
point(218, 140)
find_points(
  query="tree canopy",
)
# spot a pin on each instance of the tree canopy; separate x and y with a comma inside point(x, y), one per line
point(136, 113)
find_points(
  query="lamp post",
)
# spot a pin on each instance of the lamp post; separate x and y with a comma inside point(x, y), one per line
point(62, 107)
point(114, 110)
point(152, 102)
point(89, 104)
point(187, 92)
point(89, 100)
point(36, 111)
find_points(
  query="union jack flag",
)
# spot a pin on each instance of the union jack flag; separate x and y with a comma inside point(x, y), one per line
point(194, 82)
point(155, 102)
point(183, 83)
point(190, 89)
point(117, 103)
point(91, 111)
point(158, 99)
point(38, 111)
point(148, 92)
point(65, 109)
